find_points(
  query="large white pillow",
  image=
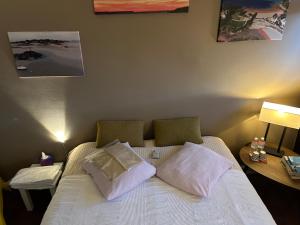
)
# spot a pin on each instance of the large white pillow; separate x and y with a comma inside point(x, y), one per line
point(194, 169)
point(113, 186)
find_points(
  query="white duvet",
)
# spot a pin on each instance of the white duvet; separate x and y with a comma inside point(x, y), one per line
point(233, 200)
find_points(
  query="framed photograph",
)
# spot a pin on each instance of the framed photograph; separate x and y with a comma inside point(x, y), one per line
point(242, 20)
point(140, 6)
point(40, 54)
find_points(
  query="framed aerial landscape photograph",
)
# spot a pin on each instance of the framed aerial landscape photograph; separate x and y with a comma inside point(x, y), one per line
point(242, 20)
point(140, 6)
point(40, 54)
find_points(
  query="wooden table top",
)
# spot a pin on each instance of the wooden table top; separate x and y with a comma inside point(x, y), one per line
point(273, 169)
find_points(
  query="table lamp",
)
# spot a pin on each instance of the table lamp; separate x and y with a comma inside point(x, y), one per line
point(282, 115)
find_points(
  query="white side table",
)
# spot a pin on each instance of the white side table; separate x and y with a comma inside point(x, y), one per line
point(52, 187)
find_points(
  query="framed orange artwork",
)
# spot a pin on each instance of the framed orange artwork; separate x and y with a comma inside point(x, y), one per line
point(140, 6)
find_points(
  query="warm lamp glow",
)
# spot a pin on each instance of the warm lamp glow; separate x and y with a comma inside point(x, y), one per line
point(60, 136)
point(281, 108)
point(282, 115)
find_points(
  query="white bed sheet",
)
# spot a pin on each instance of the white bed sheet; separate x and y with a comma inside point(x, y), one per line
point(233, 200)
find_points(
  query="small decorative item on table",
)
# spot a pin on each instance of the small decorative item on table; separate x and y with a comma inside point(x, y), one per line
point(254, 143)
point(254, 156)
point(46, 160)
point(258, 154)
point(292, 166)
point(263, 156)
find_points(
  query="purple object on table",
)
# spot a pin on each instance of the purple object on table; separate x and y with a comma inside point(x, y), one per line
point(47, 162)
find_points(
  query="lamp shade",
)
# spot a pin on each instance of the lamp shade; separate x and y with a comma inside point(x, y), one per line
point(281, 115)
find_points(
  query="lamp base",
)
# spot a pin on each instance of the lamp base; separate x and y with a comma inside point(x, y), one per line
point(274, 152)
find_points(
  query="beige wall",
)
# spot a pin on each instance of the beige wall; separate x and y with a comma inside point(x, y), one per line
point(143, 66)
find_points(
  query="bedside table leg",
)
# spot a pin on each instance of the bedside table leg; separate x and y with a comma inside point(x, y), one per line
point(52, 191)
point(26, 199)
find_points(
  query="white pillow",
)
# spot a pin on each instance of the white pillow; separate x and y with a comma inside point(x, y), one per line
point(112, 184)
point(194, 169)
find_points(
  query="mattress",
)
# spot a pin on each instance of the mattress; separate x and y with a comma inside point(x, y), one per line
point(233, 200)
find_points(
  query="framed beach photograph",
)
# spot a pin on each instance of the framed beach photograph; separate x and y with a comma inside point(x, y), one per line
point(242, 20)
point(44, 54)
point(140, 6)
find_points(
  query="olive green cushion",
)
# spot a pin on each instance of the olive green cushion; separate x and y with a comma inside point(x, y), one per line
point(177, 131)
point(125, 131)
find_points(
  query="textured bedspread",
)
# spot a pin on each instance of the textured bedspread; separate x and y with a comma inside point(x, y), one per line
point(233, 201)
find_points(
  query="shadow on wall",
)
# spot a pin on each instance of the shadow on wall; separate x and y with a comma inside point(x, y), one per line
point(24, 135)
point(217, 114)
point(23, 139)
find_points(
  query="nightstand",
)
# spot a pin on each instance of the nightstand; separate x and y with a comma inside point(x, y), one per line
point(26, 186)
point(2, 185)
point(272, 169)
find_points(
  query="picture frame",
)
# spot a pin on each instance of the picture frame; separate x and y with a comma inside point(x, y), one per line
point(47, 53)
point(243, 20)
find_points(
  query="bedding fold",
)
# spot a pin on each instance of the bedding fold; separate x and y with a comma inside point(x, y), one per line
point(114, 160)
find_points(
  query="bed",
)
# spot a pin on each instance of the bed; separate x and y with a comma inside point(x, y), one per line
point(233, 200)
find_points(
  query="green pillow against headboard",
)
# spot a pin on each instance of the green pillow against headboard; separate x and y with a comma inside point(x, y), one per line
point(130, 131)
point(177, 131)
